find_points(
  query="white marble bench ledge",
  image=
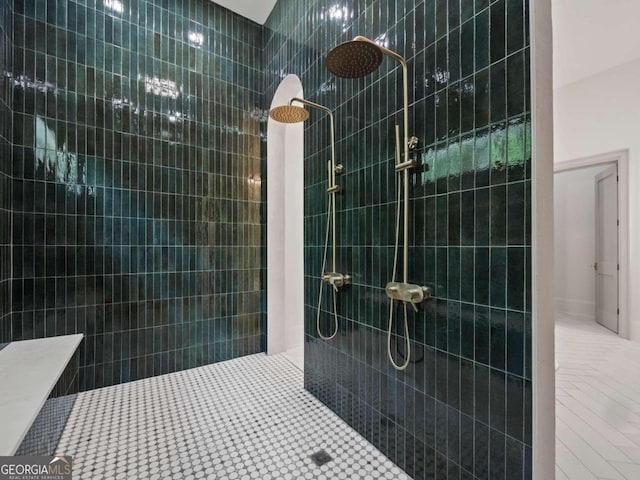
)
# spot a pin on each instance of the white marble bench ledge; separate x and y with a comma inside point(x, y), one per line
point(29, 369)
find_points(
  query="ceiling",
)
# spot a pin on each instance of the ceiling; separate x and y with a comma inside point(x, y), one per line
point(592, 36)
point(256, 10)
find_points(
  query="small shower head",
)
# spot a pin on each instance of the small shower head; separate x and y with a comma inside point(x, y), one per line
point(289, 114)
point(354, 59)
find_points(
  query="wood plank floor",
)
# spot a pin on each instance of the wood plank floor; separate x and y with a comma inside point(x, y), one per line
point(597, 403)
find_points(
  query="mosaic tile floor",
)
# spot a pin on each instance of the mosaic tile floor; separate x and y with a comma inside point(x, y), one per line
point(248, 418)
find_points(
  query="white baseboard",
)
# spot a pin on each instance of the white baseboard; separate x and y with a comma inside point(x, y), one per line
point(634, 333)
point(576, 307)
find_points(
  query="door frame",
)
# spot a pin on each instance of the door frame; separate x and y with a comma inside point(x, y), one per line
point(621, 159)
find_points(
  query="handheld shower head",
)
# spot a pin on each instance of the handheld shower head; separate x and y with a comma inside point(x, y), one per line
point(289, 114)
point(354, 59)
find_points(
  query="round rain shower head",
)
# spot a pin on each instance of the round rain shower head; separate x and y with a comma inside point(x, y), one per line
point(289, 114)
point(354, 59)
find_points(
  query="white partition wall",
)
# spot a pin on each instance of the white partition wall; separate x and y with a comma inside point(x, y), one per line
point(285, 226)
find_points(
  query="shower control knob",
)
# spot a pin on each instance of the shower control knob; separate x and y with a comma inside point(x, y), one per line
point(336, 280)
point(339, 169)
point(405, 292)
point(413, 142)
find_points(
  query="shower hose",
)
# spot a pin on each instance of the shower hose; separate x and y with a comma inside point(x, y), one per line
point(324, 264)
point(404, 305)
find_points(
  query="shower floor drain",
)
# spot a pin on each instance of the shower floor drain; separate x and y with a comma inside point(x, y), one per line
point(321, 458)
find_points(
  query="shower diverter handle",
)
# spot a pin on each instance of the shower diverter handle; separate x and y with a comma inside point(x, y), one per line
point(336, 280)
point(405, 292)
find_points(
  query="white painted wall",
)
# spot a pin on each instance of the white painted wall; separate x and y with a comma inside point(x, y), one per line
point(601, 114)
point(285, 226)
point(293, 235)
point(543, 333)
point(593, 36)
point(575, 246)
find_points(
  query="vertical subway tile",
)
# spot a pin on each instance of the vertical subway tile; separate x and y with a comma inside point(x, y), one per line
point(89, 217)
point(497, 31)
point(498, 91)
point(482, 89)
point(515, 25)
point(482, 45)
point(467, 44)
point(498, 215)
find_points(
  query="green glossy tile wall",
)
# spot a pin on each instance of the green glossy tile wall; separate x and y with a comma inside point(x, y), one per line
point(462, 409)
point(136, 183)
point(6, 50)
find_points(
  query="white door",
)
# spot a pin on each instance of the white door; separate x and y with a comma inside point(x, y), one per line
point(606, 261)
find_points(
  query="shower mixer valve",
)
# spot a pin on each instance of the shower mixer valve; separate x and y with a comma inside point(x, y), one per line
point(405, 292)
point(336, 280)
